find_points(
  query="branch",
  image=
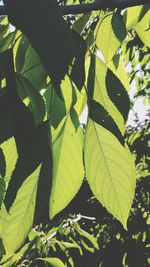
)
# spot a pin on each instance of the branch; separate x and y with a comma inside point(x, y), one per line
point(98, 5)
point(102, 4)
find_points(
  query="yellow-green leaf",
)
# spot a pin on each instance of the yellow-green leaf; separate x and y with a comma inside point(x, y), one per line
point(111, 33)
point(132, 15)
point(10, 153)
point(110, 171)
point(18, 222)
point(143, 28)
point(68, 170)
point(117, 66)
point(101, 95)
point(54, 262)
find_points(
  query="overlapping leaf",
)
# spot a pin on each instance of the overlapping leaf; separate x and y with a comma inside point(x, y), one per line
point(111, 33)
point(117, 66)
point(54, 44)
point(143, 26)
point(97, 84)
point(18, 222)
point(37, 105)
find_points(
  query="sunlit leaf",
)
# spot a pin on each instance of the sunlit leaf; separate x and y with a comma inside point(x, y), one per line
point(118, 94)
point(117, 66)
point(2, 190)
point(18, 222)
point(10, 153)
point(111, 33)
point(97, 84)
point(54, 262)
point(143, 28)
point(131, 16)
point(109, 171)
point(68, 170)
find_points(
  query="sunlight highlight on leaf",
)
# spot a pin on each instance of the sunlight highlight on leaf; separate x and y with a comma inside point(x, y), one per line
point(18, 222)
point(109, 171)
point(68, 170)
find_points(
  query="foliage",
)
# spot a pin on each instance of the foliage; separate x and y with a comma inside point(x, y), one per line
point(49, 75)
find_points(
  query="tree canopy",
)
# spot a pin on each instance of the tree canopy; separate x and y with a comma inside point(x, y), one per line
point(58, 61)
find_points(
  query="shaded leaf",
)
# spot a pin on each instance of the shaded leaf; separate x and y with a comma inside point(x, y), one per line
point(78, 69)
point(21, 50)
point(31, 155)
point(36, 105)
point(44, 18)
point(80, 23)
point(32, 69)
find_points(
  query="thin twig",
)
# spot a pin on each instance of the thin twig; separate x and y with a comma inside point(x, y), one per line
point(69, 222)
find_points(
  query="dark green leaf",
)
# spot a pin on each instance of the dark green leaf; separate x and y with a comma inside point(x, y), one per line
point(47, 31)
point(78, 69)
point(21, 53)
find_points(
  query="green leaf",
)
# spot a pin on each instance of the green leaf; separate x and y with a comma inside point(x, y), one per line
point(32, 68)
point(16, 257)
point(68, 170)
point(143, 28)
point(60, 107)
point(2, 190)
point(109, 170)
point(131, 16)
point(138, 17)
point(7, 42)
point(78, 69)
point(81, 101)
point(111, 33)
point(18, 222)
point(10, 153)
point(54, 262)
point(36, 105)
point(80, 23)
point(99, 115)
point(20, 49)
point(54, 44)
point(90, 238)
point(118, 94)
point(98, 91)
point(117, 66)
